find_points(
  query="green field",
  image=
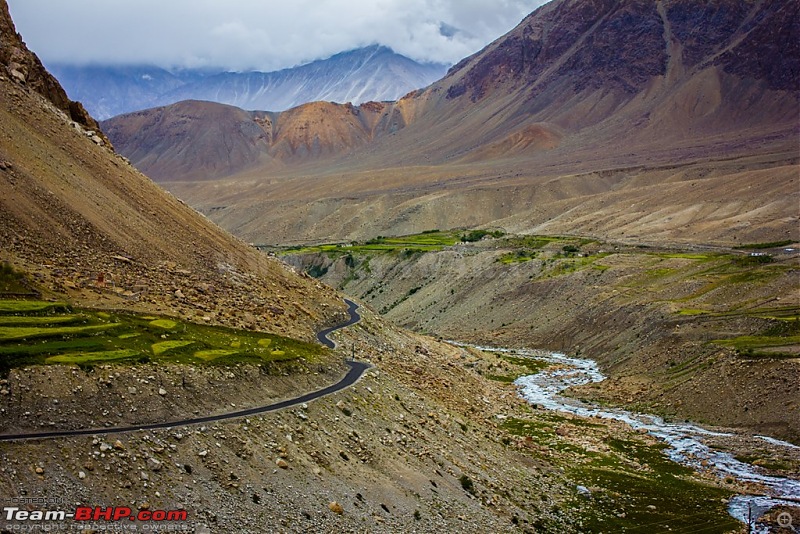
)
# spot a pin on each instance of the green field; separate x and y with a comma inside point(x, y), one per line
point(37, 332)
point(430, 241)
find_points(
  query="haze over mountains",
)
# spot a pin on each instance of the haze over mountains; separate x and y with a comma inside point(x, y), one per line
point(90, 234)
point(371, 73)
point(639, 165)
point(577, 88)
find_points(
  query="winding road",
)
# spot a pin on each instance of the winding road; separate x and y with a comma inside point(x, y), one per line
point(355, 372)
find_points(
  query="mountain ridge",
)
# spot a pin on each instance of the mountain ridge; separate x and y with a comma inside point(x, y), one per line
point(578, 89)
point(370, 73)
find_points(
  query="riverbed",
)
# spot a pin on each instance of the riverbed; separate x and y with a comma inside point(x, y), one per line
point(688, 444)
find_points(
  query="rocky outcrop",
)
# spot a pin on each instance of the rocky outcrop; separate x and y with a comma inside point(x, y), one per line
point(24, 66)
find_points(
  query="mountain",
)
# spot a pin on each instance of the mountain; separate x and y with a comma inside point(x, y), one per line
point(99, 241)
point(71, 208)
point(115, 89)
point(196, 140)
point(433, 437)
point(371, 73)
point(589, 102)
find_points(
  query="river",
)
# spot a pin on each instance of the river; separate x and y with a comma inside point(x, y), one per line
point(686, 442)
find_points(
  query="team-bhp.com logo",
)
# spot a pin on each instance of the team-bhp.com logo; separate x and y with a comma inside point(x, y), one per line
point(94, 513)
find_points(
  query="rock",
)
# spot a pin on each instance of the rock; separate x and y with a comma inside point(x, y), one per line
point(202, 454)
point(283, 464)
point(39, 471)
point(154, 464)
point(81, 475)
point(119, 446)
point(105, 447)
point(162, 391)
point(336, 508)
point(17, 75)
point(583, 490)
point(179, 294)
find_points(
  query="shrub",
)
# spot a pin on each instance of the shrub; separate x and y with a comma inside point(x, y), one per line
point(467, 484)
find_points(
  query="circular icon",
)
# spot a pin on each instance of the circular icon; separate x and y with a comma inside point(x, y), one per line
point(784, 519)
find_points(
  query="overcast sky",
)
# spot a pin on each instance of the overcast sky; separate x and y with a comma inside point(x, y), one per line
point(258, 34)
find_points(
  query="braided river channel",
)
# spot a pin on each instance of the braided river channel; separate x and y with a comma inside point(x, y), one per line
point(686, 442)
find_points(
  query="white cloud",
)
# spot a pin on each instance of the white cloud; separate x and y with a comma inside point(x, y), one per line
point(258, 34)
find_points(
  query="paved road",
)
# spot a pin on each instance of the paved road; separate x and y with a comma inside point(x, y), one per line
point(352, 308)
point(356, 370)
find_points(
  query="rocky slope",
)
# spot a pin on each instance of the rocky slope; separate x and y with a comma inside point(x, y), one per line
point(418, 444)
point(654, 318)
point(24, 66)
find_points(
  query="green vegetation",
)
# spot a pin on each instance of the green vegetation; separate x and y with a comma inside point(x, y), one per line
point(102, 356)
point(37, 332)
point(467, 484)
point(166, 324)
point(166, 346)
point(17, 333)
point(634, 486)
point(477, 235)
point(429, 241)
point(13, 282)
point(771, 244)
point(557, 255)
point(518, 256)
point(640, 486)
point(8, 307)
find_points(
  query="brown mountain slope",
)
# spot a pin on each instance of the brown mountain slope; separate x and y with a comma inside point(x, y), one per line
point(73, 212)
point(379, 455)
point(590, 103)
point(195, 140)
point(602, 75)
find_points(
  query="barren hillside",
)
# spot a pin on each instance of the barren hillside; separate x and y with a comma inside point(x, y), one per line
point(584, 105)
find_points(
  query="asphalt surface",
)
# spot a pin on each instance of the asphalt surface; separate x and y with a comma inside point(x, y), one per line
point(352, 308)
point(353, 374)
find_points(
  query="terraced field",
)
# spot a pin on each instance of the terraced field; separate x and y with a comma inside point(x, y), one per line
point(40, 332)
point(430, 241)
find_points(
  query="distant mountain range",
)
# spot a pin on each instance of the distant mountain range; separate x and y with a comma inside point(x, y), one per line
point(576, 82)
point(371, 73)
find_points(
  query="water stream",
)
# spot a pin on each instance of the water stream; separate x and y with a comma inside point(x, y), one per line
point(686, 441)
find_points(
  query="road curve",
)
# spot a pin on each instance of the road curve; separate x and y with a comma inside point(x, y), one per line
point(322, 335)
point(353, 374)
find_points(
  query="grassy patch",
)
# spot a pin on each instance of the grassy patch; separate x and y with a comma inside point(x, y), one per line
point(208, 355)
point(633, 485)
point(46, 333)
point(518, 256)
point(15, 333)
point(531, 365)
point(166, 324)
point(35, 320)
point(165, 346)
point(13, 282)
point(430, 241)
point(106, 356)
point(637, 487)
